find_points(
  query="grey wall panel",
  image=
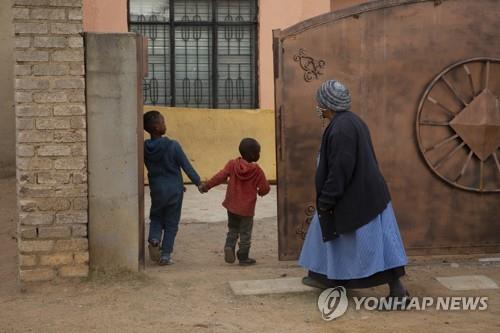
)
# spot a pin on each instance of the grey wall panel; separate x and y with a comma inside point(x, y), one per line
point(114, 194)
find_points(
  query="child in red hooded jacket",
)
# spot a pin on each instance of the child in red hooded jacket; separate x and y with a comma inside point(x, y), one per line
point(246, 180)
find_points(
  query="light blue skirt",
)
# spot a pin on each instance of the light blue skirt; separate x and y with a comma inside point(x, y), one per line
point(373, 248)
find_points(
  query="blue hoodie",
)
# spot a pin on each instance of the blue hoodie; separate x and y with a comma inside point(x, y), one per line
point(164, 159)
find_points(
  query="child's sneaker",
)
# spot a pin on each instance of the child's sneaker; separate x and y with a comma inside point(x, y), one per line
point(245, 260)
point(154, 250)
point(229, 256)
point(165, 260)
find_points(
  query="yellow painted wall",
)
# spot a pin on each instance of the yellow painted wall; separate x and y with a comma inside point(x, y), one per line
point(210, 137)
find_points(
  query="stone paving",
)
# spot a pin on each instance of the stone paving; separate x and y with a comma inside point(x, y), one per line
point(467, 282)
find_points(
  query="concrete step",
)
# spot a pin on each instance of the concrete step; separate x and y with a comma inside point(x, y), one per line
point(467, 282)
point(270, 286)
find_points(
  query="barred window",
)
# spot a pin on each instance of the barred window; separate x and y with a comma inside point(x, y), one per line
point(202, 53)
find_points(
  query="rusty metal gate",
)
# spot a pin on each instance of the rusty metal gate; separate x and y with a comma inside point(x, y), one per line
point(425, 76)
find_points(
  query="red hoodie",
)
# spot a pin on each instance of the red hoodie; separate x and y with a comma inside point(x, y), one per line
point(246, 180)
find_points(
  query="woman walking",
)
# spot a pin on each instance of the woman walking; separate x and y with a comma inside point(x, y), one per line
point(353, 240)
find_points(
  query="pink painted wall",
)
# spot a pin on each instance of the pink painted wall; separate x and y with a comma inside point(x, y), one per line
point(279, 14)
point(105, 15)
point(341, 4)
point(111, 16)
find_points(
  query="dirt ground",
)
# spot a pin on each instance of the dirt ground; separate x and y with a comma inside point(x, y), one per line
point(194, 296)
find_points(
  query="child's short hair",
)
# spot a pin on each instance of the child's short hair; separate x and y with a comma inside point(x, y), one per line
point(249, 147)
point(150, 119)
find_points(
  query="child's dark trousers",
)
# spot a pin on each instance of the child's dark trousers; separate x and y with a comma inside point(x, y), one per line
point(165, 217)
point(239, 227)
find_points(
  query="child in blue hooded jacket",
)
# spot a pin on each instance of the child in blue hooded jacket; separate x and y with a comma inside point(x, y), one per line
point(164, 159)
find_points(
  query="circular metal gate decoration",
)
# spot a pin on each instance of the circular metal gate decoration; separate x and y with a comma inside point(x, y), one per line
point(458, 125)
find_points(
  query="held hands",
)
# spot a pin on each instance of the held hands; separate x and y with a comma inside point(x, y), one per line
point(203, 188)
point(259, 193)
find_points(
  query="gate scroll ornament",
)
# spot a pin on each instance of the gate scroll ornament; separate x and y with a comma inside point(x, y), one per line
point(302, 228)
point(473, 122)
point(310, 66)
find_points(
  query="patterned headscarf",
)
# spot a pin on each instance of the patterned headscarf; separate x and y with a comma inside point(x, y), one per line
point(334, 96)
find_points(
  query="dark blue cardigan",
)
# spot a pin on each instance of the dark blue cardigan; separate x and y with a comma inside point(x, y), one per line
point(350, 188)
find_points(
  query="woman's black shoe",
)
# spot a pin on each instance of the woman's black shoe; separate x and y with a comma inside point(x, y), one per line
point(309, 281)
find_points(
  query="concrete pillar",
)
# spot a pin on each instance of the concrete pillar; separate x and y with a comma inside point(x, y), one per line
point(114, 106)
point(7, 116)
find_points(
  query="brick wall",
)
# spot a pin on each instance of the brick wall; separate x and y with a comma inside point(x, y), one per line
point(51, 139)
